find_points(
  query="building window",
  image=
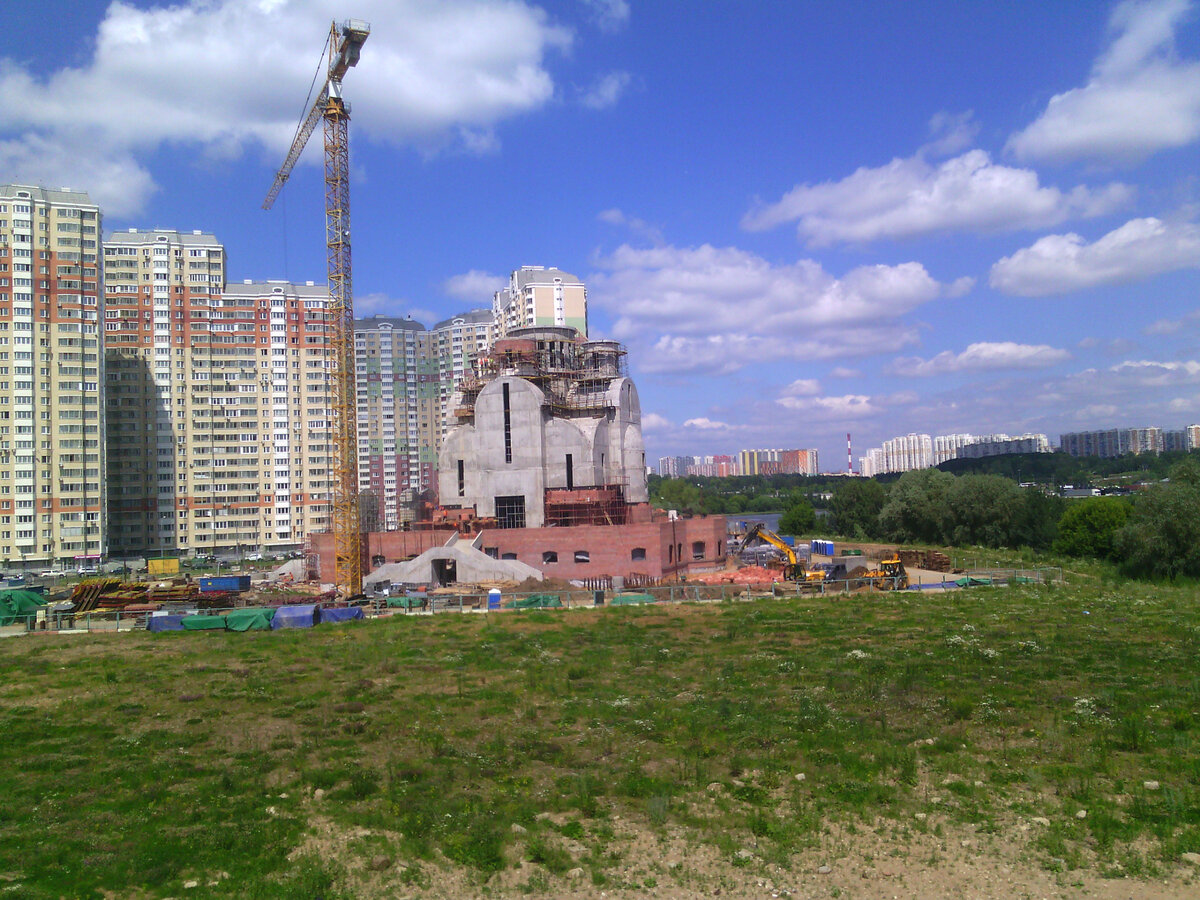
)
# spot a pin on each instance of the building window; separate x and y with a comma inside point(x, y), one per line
point(637, 554)
point(697, 549)
point(570, 473)
point(549, 556)
point(462, 480)
point(510, 511)
point(507, 427)
point(582, 556)
point(508, 556)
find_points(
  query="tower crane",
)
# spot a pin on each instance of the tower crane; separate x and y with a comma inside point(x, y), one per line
point(344, 45)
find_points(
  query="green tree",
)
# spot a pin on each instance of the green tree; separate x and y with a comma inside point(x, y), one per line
point(855, 505)
point(799, 518)
point(1162, 537)
point(981, 509)
point(916, 507)
point(1037, 526)
point(1088, 527)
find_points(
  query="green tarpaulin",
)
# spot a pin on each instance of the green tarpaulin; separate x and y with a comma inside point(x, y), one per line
point(535, 601)
point(19, 606)
point(632, 599)
point(249, 619)
point(203, 623)
point(405, 602)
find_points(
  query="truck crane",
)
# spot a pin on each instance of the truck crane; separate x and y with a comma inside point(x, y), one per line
point(344, 45)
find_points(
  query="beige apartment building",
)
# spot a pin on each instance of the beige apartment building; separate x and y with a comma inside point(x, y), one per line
point(218, 401)
point(540, 296)
point(52, 493)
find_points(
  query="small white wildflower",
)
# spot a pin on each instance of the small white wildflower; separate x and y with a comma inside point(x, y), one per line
point(857, 654)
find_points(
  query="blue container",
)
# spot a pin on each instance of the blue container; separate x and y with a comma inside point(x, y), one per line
point(494, 598)
point(225, 583)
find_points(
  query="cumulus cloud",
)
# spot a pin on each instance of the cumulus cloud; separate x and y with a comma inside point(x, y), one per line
point(474, 286)
point(912, 196)
point(1140, 98)
point(847, 406)
point(708, 425)
point(111, 175)
point(981, 357)
point(655, 422)
point(718, 309)
point(1131, 391)
point(1060, 263)
point(224, 74)
point(606, 90)
point(845, 372)
point(802, 387)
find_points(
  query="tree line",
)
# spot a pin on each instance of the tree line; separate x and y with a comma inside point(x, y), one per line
point(1154, 533)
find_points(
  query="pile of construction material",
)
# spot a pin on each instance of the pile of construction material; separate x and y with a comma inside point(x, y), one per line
point(930, 560)
point(744, 575)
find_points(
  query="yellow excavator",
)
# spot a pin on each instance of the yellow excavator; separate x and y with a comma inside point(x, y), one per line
point(889, 576)
point(793, 570)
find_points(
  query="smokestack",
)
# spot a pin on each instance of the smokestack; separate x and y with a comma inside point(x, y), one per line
point(849, 456)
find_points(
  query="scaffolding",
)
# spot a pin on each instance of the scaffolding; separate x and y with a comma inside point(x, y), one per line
point(598, 505)
point(574, 375)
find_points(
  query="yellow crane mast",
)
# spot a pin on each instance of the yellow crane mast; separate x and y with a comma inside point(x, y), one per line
point(344, 45)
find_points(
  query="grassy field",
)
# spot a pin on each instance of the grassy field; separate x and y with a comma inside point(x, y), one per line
point(525, 751)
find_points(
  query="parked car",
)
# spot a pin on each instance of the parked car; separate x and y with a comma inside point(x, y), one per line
point(254, 557)
point(88, 570)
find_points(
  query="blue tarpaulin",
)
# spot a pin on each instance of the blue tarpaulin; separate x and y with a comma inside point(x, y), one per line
point(303, 616)
point(165, 623)
point(340, 615)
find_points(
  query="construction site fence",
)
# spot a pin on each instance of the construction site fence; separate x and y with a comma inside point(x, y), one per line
point(118, 621)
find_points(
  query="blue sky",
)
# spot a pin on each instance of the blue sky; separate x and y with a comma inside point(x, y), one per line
point(804, 219)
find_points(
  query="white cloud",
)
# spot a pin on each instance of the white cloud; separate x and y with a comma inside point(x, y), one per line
point(709, 425)
point(224, 74)
point(981, 357)
point(802, 387)
point(655, 422)
point(1141, 98)
point(910, 197)
point(1059, 263)
point(608, 15)
point(846, 406)
point(1163, 327)
point(474, 286)
point(112, 177)
point(844, 372)
point(606, 90)
point(718, 309)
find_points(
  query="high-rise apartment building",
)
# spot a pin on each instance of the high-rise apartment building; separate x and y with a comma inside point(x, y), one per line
point(52, 491)
point(407, 380)
point(160, 291)
point(455, 344)
point(1112, 442)
point(397, 396)
point(539, 296)
point(218, 400)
